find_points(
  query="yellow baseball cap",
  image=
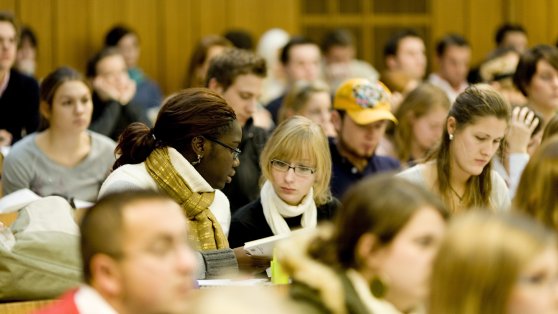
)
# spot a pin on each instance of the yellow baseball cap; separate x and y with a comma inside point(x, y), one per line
point(365, 102)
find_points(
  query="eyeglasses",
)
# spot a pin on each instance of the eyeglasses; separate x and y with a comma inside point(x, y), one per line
point(299, 170)
point(235, 151)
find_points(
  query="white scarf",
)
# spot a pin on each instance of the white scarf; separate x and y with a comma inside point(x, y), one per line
point(276, 210)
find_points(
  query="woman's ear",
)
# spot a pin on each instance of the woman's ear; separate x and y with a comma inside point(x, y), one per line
point(451, 125)
point(368, 251)
point(45, 110)
point(198, 145)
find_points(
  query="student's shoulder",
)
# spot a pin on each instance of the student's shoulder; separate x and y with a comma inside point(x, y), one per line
point(387, 162)
point(23, 79)
point(24, 147)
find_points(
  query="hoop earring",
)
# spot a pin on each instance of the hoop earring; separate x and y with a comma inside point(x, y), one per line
point(451, 137)
point(378, 287)
point(193, 163)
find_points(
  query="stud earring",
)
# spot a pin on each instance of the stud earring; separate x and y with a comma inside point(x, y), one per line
point(197, 161)
point(451, 137)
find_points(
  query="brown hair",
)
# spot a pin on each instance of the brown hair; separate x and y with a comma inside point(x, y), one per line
point(475, 102)
point(233, 62)
point(185, 115)
point(550, 129)
point(381, 205)
point(419, 102)
point(536, 192)
point(91, 68)
point(480, 260)
point(527, 66)
point(51, 83)
point(102, 226)
point(198, 57)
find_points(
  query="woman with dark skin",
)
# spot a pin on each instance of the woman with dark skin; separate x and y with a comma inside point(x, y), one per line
point(189, 154)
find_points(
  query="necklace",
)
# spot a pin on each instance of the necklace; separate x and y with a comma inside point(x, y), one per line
point(459, 197)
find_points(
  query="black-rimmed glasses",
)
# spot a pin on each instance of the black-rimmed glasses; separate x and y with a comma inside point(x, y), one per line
point(235, 151)
point(282, 166)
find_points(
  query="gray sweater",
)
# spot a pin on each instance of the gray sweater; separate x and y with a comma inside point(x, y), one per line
point(26, 166)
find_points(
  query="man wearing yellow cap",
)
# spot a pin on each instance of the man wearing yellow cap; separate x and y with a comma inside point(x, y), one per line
point(360, 117)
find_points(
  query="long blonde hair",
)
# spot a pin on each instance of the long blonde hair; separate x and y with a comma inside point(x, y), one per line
point(536, 193)
point(480, 260)
point(297, 138)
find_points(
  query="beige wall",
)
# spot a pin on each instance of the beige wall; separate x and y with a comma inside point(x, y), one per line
point(70, 31)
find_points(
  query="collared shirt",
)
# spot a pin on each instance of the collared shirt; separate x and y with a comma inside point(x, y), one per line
point(344, 173)
point(4, 83)
point(452, 93)
point(89, 301)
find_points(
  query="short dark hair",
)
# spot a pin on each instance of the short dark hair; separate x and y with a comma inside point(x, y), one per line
point(227, 66)
point(337, 37)
point(392, 45)
point(116, 33)
point(102, 225)
point(91, 68)
point(527, 66)
point(27, 33)
point(450, 40)
point(506, 28)
point(240, 39)
point(284, 56)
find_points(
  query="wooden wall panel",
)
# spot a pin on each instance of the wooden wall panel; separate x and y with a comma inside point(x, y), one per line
point(484, 19)
point(40, 22)
point(71, 31)
point(71, 44)
point(144, 16)
point(8, 5)
point(176, 42)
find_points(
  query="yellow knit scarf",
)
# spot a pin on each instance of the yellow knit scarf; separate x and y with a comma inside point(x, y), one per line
point(204, 229)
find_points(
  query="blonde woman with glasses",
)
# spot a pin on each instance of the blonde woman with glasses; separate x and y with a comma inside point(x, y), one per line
point(296, 167)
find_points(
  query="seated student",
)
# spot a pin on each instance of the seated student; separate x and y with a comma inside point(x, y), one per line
point(421, 118)
point(26, 59)
point(207, 48)
point(288, 199)
point(135, 258)
point(189, 154)
point(378, 256)
point(459, 170)
point(311, 100)
point(536, 193)
point(113, 92)
point(340, 62)
point(536, 76)
point(148, 94)
point(19, 93)
point(237, 76)
point(360, 117)
point(65, 159)
point(492, 263)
